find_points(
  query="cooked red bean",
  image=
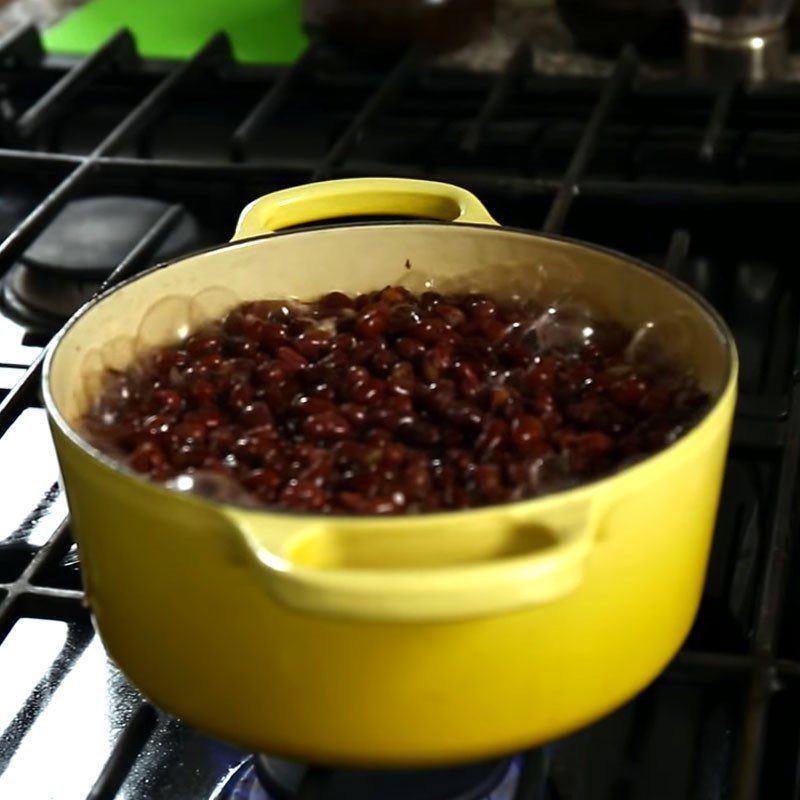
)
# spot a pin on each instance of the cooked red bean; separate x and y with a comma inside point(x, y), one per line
point(389, 403)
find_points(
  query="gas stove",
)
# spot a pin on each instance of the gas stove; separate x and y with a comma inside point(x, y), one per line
point(112, 163)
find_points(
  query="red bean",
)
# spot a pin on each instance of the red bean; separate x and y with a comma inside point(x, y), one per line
point(430, 300)
point(392, 295)
point(487, 478)
point(189, 430)
point(257, 446)
point(381, 363)
point(451, 314)
point(263, 482)
point(542, 375)
point(493, 330)
point(305, 405)
point(481, 307)
point(272, 374)
point(209, 417)
point(167, 401)
point(202, 392)
point(221, 440)
point(373, 323)
point(468, 377)
point(493, 437)
point(367, 390)
point(291, 360)
point(336, 301)
point(367, 349)
point(303, 495)
point(312, 343)
point(430, 331)
point(344, 342)
point(402, 380)
point(153, 426)
point(402, 318)
point(409, 348)
point(436, 361)
point(326, 425)
point(164, 360)
point(255, 415)
point(356, 414)
point(272, 335)
point(202, 345)
point(527, 434)
point(240, 395)
point(213, 362)
point(146, 457)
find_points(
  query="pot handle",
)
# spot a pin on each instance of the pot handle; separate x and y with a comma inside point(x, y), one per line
point(354, 197)
point(426, 570)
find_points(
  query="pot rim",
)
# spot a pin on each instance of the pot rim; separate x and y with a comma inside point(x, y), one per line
point(722, 329)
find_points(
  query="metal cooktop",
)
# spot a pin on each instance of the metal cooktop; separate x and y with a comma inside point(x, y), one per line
point(700, 180)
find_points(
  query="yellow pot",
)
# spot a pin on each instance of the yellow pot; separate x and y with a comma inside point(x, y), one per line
point(391, 641)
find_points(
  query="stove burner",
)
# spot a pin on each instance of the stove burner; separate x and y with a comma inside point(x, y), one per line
point(268, 778)
point(83, 244)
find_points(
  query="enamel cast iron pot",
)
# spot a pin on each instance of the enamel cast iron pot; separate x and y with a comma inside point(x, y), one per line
point(409, 640)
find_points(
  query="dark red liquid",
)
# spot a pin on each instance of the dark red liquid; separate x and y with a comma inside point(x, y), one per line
point(393, 403)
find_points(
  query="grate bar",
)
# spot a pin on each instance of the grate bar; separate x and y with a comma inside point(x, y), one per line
point(387, 91)
point(119, 49)
point(32, 158)
point(750, 747)
point(677, 251)
point(760, 435)
point(214, 53)
point(768, 407)
point(767, 621)
point(145, 249)
point(127, 748)
point(62, 596)
point(21, 47)
point(296, 168)
point(16, 401)
point(49, 555)
point(272, 100)
point(717, 121)
point(701, 661)
point(40, 602)
point(612, 92)
point(519, 61)
point(12, 605)
point(508, 185)
point(778, 546)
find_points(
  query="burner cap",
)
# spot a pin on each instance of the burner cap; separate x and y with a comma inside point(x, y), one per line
point(283, 779)
point(43, 299)
point(90, 236)
point(85, 242)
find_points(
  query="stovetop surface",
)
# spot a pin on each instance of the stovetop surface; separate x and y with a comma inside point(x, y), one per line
point(699, 180)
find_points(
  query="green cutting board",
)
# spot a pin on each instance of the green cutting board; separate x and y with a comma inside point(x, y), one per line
point(260, 30)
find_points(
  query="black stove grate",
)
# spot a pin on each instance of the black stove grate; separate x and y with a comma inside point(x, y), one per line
point(698, 179)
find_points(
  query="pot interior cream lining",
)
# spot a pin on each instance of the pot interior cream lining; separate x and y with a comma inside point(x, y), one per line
point(164, 305)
